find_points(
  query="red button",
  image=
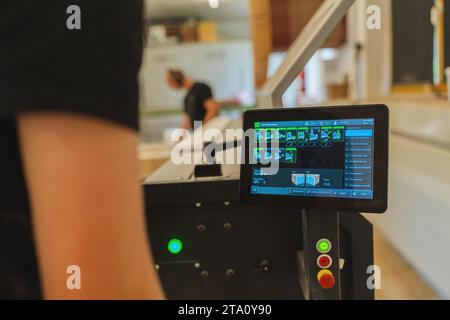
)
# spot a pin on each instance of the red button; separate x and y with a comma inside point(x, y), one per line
point(324, 261)
point(326, 279)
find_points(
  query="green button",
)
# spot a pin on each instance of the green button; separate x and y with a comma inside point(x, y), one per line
point(175, 246)
point(323, 245)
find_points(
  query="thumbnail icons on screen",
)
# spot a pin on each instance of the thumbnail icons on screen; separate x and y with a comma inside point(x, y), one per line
point(312, 180)
point(338, 134)
point(280, 135)
point(299, 179)
point(326, 134)
point(291, 134)
point(303, 136)
point(266, 155)
point(281, 155)
point(290, 155)
point(267, 135)
point(260, 135)
point(305, 179)
point(314, 134)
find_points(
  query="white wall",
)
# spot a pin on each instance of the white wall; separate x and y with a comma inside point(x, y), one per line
point(227, 66)
point(418, 220)
point(234, 28)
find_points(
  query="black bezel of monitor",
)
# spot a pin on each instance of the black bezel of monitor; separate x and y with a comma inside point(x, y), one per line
point(381, 155)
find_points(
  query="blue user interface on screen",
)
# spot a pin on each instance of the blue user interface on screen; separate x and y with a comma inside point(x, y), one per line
point(318, 158)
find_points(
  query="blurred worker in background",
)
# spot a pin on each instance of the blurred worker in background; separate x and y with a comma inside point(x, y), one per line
point(199, 103)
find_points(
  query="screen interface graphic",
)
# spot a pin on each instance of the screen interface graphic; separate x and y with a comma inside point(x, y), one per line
point(317, 158)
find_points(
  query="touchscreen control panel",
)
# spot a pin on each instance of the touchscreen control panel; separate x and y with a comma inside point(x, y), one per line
point(317, 158)
point(322, 158)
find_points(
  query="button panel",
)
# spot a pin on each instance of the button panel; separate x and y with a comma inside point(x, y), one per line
point(324, 262)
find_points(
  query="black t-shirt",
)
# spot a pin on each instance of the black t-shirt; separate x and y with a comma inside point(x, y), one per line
point(44, 66)
point(194, 102)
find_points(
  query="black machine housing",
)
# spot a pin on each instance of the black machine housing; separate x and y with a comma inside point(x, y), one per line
point(234, 250)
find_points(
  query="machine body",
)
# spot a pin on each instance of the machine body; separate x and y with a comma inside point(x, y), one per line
point(233, 250)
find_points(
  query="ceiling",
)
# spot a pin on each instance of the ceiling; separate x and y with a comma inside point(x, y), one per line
point(196, 8)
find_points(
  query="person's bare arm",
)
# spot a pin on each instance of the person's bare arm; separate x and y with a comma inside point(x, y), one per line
point(87, 207)
point(212, 109)
point(186, 123)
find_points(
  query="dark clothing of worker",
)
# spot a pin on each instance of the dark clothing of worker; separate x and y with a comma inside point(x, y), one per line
point(194, 102)
point(47, 66)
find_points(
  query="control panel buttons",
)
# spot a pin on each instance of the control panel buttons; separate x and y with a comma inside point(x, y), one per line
point(326, 279)
point(265, 265)
point(230, 273)
point(323, 246)
point(175, 246)
point(324, 261)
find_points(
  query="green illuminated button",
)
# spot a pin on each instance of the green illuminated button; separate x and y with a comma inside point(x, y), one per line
point(323, 246)
point(175, 246)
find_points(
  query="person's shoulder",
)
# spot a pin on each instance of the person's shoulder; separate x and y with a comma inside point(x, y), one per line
point(204, 89)
point(202, 85)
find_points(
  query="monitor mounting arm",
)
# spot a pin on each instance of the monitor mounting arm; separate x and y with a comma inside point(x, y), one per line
point(306, 44)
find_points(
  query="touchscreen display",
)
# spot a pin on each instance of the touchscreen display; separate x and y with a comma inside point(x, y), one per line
point(316, 158)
